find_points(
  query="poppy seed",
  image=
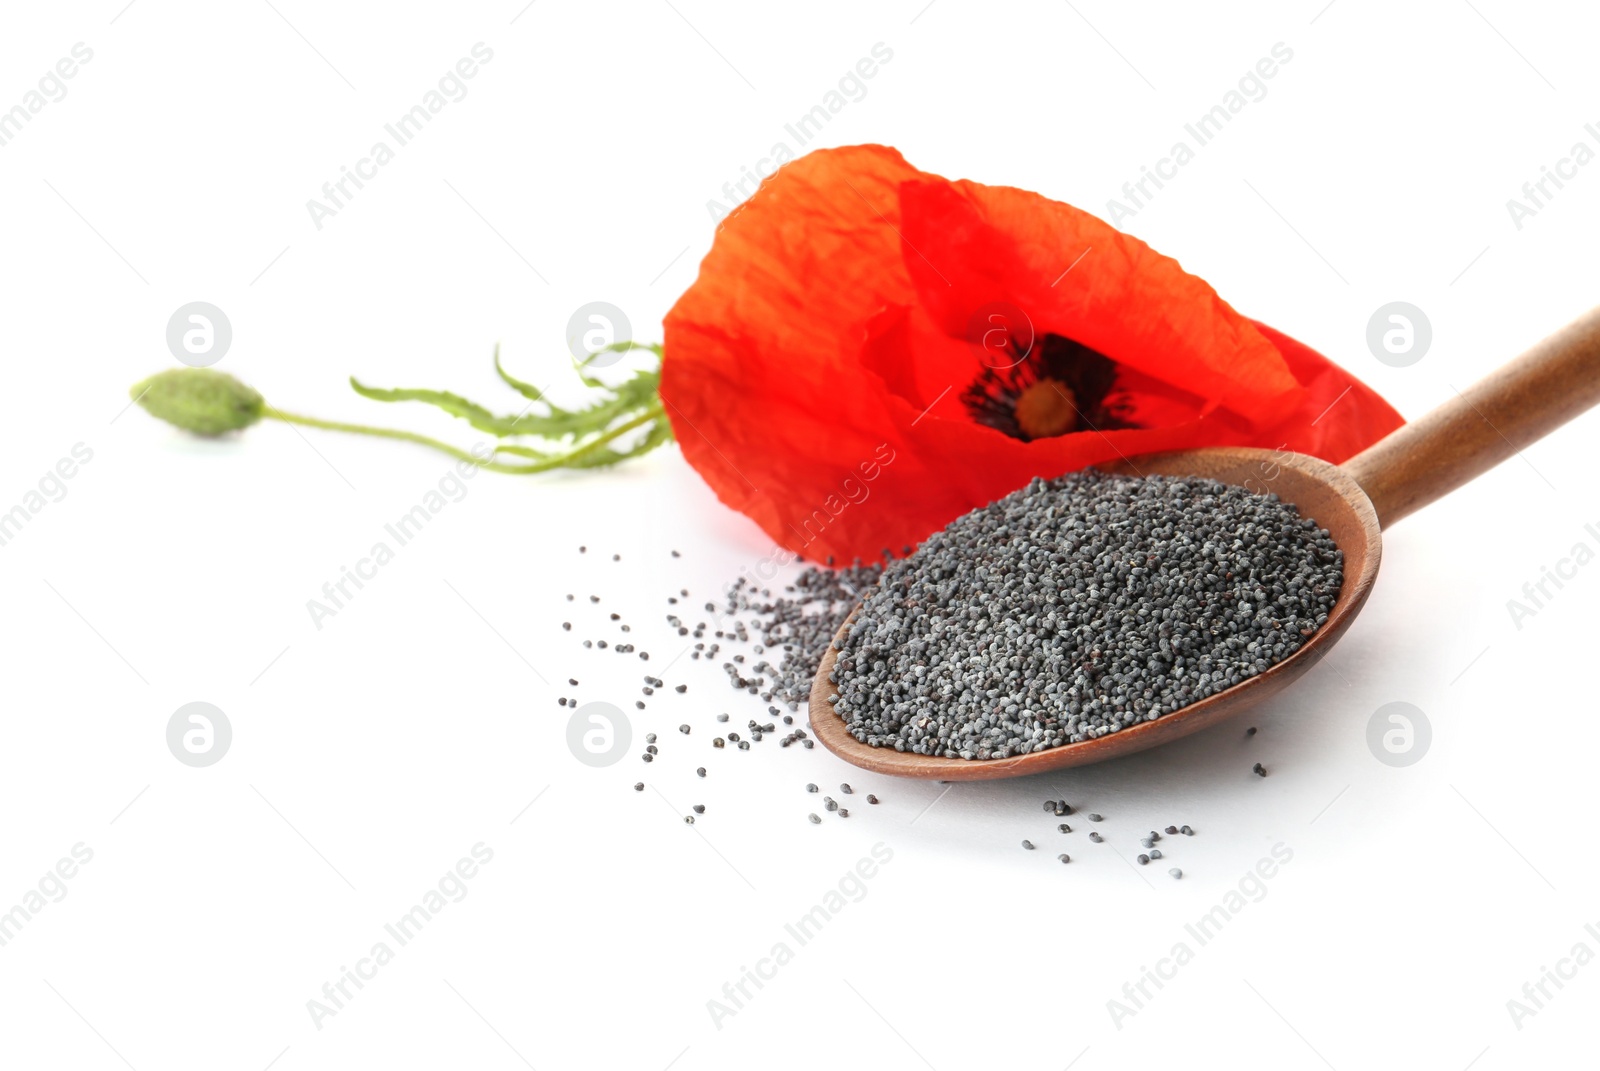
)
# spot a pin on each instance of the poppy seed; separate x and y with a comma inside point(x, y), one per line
point(1078, 607)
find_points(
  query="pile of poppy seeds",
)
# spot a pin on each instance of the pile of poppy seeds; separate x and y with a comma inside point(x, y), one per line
point(1072, 608)
point(1078, 607)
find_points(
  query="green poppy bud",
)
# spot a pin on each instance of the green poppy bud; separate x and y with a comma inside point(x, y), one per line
point(199, 400)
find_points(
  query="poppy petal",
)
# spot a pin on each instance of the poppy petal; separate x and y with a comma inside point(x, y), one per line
point(813, 372)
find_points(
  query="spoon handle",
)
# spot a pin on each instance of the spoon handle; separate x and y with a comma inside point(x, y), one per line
point(1480, 427)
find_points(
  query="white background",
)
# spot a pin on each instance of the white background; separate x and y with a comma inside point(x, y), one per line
point(368, 756)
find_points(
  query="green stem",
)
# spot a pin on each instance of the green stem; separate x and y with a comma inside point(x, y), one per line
point(652, 413)
point(649, 416)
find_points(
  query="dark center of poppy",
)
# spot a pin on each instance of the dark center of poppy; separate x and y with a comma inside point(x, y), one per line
point(1057, 387)
point(1046, 408)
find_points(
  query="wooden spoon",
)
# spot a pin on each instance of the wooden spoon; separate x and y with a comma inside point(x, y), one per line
point(1422, 461)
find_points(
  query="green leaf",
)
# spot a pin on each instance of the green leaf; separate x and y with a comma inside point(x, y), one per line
point(659, 434)
point(629, 396)
point(615, 347)
point(454, 404)
point(586, 433)
point(527, 390)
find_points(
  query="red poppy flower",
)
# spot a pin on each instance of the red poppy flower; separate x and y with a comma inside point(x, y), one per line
point(871, 351)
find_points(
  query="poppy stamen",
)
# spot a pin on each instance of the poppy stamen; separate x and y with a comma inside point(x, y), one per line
point(1057, 387)
point(1047, 408)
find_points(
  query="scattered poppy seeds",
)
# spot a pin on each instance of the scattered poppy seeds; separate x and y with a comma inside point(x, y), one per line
point(796, 627)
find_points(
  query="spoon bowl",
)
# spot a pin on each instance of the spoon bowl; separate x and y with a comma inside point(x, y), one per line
point(1492, 420)
point(1320, 492)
